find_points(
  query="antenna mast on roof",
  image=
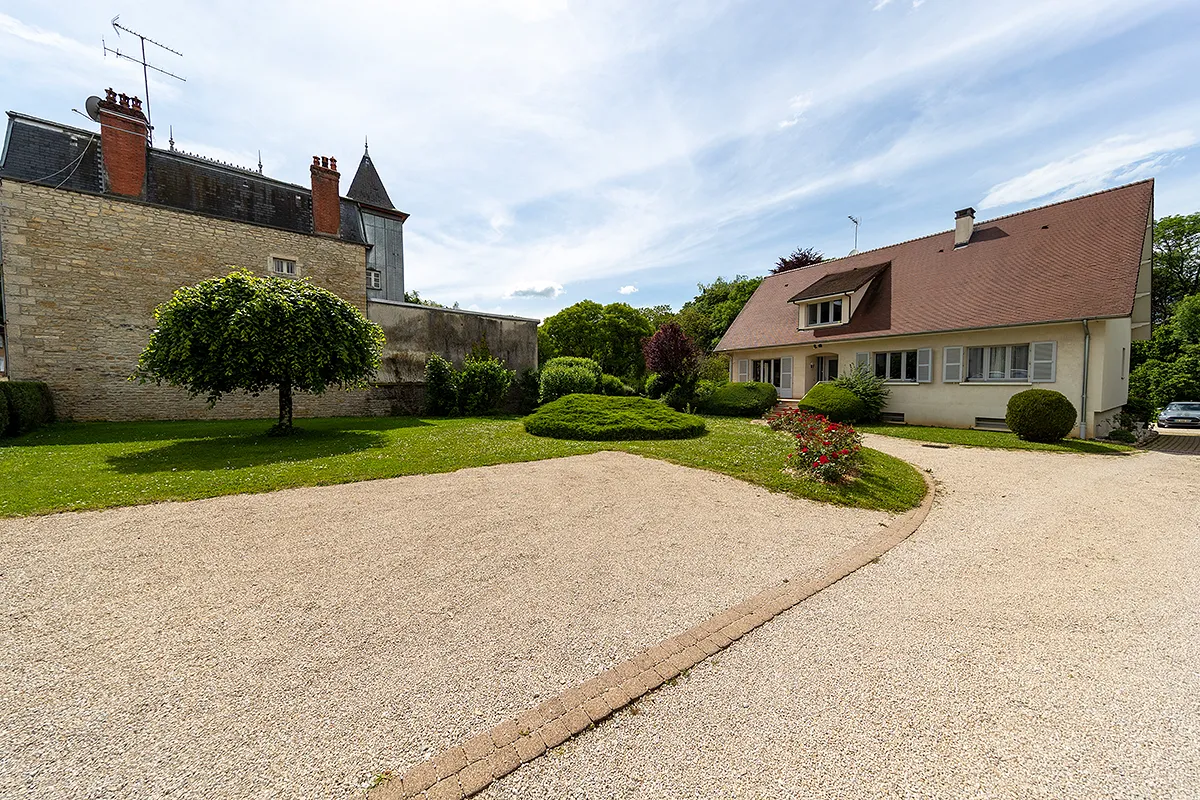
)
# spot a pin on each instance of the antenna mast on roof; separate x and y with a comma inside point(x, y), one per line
point(146, 66)
point(856, 222)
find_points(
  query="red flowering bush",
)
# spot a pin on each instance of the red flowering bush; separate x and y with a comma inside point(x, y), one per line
point(826, 451)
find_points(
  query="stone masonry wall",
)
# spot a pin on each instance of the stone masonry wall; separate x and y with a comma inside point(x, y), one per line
point(83, 274)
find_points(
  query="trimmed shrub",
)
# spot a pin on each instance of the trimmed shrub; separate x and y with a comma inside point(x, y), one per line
point(867, 387)
point(654, 386)
point(3, 414)
point(613, 386)
point(834, 402)
point(482, 384)
point(1122, 435)
point(591, 417)
point(1040, 415)
point(740, 400)
point(528, 389)
point(441, 387)
point(28, 405)
point(574, 361)
point(559, 380)
point(681, 396)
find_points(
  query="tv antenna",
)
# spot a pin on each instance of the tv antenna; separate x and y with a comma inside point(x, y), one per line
point(856, 222)
point(146, 66)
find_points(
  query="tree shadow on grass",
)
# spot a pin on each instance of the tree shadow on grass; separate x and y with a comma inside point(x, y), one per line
point(249, 450)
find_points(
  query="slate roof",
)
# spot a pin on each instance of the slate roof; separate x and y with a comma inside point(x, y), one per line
point(1067, 261)
point(840, 282)
point(60, 156)
point(367, 186)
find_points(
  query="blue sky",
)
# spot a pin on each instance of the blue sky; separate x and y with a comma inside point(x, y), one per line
point(553, 151)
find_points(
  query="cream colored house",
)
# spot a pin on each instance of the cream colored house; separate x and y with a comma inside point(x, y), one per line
point(959, 321)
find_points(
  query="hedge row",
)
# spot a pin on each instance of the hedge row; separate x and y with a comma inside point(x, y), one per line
point(24, 405)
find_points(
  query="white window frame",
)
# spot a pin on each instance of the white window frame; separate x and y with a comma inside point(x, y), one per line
point(743, 367)
point(274, 260)
point(1008, 363)
point(904, 357)
point(829, 304)
point(375, 280)
point(952, 364)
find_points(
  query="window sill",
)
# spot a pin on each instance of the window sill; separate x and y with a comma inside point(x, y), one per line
point(823, 325)
point(902, 383)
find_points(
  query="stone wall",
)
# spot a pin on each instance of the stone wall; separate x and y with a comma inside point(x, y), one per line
point(414, 332)
point(83, 274)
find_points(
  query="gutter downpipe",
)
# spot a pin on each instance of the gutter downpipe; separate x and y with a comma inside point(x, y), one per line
point(1087, 347)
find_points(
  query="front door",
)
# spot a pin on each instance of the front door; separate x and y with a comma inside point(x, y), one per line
point(827, 368)
point(775, 371)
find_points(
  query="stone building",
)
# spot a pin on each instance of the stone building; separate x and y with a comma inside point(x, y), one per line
point(99, 228)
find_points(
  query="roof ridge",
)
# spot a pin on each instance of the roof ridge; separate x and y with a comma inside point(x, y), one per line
point(51, 124)
point(981, 222)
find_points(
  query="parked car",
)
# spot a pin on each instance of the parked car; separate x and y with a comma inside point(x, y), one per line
point(1180, 415)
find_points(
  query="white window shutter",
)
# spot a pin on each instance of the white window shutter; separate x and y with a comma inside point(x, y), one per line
point(785, 373)
point(1042, 357)
point(863, 359)
point(951, 365)
point(743, 370)
point(925, 365)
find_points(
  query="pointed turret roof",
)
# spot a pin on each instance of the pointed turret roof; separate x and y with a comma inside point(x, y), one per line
point(367, 187)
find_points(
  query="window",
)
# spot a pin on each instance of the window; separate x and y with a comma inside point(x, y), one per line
point(775, 371)
point(283, 266)
point(374, 281)
point(998, 363)
point(828, 312)
point(900, 365)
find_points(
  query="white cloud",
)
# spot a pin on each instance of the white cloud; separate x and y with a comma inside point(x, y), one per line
point(630, 289)
point(918, 3)
point(1118, 159)
point(550, 290)
point(881, 4)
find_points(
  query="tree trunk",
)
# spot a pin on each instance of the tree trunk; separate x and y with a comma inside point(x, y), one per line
point(285, 407)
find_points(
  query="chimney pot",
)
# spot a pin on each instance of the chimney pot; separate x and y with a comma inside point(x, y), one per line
point(333, 163)
point(326, 197)
point(123, 144)
point(964, 226)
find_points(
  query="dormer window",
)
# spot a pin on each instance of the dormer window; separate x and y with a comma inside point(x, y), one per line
point(826, 312)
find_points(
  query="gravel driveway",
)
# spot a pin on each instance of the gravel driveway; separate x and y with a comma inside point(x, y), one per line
point(290, 644)
point(1038, 637)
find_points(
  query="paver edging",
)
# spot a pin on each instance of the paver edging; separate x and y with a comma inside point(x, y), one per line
point(518, 740)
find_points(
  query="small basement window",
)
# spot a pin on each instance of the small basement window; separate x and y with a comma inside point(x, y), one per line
point(283, 266)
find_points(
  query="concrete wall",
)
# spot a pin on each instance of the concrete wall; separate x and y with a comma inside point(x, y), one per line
point(83, 274)
point(958, 404)
point(414, 332)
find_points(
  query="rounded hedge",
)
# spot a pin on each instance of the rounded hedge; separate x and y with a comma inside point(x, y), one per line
point(1040, 415)
point(835, 403)
point(593, 417)
point(740, 400)
point(589, 364)
point(614, 386)
point(28, 405)
point(559, 380)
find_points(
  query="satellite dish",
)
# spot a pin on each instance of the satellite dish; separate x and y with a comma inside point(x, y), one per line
point(92, 104)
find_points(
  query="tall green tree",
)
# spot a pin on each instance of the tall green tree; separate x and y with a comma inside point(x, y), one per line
point(1176, 263)
point(253, 334)
point(611, 335)
point(721, 301)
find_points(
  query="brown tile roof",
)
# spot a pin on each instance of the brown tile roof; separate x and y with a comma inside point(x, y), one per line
point(840, 282)
point(1071, 260)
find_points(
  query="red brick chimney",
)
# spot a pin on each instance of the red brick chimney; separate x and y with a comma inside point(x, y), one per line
point(123, 142)
point(326, 199)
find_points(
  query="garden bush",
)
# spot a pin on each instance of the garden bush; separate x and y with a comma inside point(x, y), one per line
point(1040, 415)
point(441, 387)
point(589, 364)
point(825, 451)
point(3, 414)
point(559, 380)
point(482, 385)
point(715, 368)
point(867, 387)
point(28, 405)
point(834, 402)
point(528, 389)
point(1122, 435)
point(654, 386)
point(615, 387)
point(740, 400)
point(592, 417)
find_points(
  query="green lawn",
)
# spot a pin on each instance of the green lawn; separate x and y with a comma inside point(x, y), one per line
point(75, 466)
point(1006, 441)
